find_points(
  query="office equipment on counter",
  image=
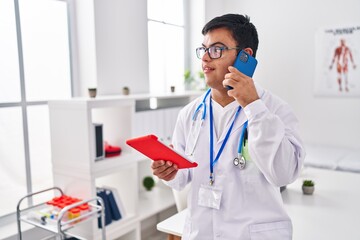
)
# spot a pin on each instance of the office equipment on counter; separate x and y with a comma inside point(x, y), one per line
point(99, 141)
point(111, 150)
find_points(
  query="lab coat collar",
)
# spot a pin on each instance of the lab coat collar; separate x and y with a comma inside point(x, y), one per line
point(242, 118)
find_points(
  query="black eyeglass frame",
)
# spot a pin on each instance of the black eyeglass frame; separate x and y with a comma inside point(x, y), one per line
point(216, 48)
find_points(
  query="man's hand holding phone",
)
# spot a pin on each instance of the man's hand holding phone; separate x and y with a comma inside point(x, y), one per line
point(239, 79)
point(244, 90)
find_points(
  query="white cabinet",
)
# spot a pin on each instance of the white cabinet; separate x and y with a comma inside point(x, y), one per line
point(73, 153)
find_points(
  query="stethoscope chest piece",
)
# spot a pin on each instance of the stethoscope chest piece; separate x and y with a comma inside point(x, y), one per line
point(239, 162)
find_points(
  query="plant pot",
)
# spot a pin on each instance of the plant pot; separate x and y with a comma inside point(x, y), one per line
point(92, 92)
point(308, 190)
point(126, 91)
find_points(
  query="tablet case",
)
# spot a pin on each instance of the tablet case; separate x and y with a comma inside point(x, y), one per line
point(151, 147)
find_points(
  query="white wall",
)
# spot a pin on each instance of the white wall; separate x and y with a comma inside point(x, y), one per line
point(83, 45)
point(110, 46)
point(121, 46)
point(286, 54)
point(286, 58)
point(196, 15)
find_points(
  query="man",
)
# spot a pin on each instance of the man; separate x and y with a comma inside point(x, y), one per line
point(342, 54)
point(228, 200)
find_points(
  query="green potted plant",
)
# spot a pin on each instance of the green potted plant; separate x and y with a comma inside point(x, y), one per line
point(308, 187)
point(148, 183)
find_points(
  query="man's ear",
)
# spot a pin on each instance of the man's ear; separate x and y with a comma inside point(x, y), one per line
point(249, 51)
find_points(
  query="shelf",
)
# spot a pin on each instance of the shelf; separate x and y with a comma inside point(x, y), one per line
point(155, 201)
point(114, 230)
point(116, 100)
point(119, 228)
point(73, 148)
point(90, 103)
point(65, 225)
point(113, 164)
point(100, 167)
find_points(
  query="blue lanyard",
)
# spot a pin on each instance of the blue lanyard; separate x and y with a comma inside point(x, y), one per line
point(212, 160)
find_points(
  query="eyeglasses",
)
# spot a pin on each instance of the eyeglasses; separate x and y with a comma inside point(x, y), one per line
point(214, 51)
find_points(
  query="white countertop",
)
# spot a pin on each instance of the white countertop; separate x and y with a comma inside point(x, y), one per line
point(331, 213)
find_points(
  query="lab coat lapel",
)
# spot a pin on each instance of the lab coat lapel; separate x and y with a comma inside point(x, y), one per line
point(241, 119)
point(239, 123)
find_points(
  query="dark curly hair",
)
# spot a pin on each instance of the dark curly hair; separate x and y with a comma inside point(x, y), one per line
point(242, 30)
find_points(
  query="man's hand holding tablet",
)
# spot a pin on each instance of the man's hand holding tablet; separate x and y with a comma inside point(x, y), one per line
point(166, 160)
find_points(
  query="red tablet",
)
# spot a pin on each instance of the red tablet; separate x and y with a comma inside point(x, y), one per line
point(151, 147)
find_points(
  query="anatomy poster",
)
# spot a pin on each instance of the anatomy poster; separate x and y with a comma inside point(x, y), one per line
point(338, 61)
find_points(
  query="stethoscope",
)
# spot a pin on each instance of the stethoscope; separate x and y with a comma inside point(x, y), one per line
point(201, 105)
point(238, 161)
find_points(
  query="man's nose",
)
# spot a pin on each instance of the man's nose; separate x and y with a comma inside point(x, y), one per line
point(206, 56)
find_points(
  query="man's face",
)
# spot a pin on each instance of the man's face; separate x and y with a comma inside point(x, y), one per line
point(215, 69)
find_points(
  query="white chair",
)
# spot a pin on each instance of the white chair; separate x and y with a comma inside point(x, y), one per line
point(181, 198)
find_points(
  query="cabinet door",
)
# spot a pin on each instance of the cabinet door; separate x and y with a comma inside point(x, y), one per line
point(158, 122)
point(149, 122)
point(170, 117)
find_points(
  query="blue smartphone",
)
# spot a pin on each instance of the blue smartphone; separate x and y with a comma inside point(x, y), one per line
point(245, 63)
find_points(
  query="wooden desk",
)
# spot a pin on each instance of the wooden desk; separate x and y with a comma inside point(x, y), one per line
point(331, 213)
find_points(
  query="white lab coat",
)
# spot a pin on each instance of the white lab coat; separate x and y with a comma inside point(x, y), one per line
point(251, 204)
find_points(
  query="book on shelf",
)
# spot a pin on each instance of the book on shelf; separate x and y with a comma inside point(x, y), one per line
point(108, 219)
point(114, 209)
point(117, 200)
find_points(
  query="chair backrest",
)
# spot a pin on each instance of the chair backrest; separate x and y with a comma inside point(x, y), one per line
point(181, 198)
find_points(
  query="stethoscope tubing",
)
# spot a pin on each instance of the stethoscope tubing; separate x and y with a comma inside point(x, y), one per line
point(202, 104)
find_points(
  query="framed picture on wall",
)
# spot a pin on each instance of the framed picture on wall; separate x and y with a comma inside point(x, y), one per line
point(338, 61)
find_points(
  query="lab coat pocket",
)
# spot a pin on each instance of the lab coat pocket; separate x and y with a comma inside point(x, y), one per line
point(274, 230)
